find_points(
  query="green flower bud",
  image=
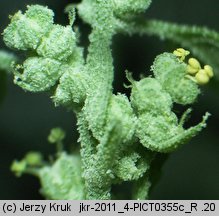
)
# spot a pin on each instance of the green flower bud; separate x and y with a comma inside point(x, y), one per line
point(39, 74)
point(186, 92)
point(148, 96)
point(33, 158)
point(41, 14)
point(56, 135)
point(131, 167)
point(63, 180)
point(58, 44)
point(18, 167)
point(25, 31)
point(171, 73)
point(121, 111)
point(71, 89)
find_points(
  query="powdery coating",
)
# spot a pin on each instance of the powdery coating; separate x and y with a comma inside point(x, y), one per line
point(130, 7)
point(63, 180)
point(26, 30)
point(119, 138)
point(58, 44)
point(163, 134)
point(39, 74)
point(120, 109)
point(71, 81)
point(172, 75)
point(133, 165)
point(148, 96)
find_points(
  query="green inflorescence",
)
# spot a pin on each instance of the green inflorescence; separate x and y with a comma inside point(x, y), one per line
point(120, 137)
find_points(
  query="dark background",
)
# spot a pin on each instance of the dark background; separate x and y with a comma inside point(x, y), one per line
point(192, 172)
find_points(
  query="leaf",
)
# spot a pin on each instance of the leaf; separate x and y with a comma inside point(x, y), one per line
point(201, 41)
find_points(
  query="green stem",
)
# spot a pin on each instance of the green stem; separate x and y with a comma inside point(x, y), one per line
point(92, 121)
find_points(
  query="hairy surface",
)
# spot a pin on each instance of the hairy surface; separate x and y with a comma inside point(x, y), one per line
point(119, 136)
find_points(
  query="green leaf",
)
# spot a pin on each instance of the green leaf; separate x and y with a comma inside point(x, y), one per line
point(201, 41)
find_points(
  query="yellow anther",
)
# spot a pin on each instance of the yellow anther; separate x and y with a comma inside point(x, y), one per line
point(181, 53)
point(193, 66)
point(209, 70)
point(202, 77)
point(194, 63)
point(191, 70)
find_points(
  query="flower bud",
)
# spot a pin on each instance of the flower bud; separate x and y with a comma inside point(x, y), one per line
point(63, 180)
point(71, 89)
point(56, 135)
point(172, 76)
point(58, 44)
point(33, 158)
point(148, 96)
point(39, 74)
point(18, 167)
point(26, 30)
point(120, 111)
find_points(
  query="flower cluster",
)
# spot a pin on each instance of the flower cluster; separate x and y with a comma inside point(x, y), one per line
point(120, 137)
